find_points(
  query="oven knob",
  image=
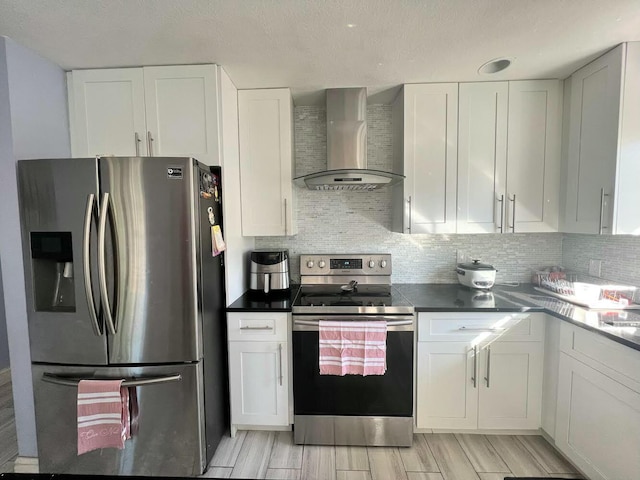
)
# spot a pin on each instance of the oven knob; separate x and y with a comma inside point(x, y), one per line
point(322, 264)
point(383, 263)
point(310, 264)
point(372, 264)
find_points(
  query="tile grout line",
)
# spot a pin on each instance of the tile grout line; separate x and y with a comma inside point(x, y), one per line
point(531, 455)
point(433, 454)
point(465, 454)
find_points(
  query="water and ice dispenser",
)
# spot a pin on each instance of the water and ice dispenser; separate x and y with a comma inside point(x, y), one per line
point(52, 264)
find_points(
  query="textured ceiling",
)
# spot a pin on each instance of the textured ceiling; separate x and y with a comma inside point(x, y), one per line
point(307, 45)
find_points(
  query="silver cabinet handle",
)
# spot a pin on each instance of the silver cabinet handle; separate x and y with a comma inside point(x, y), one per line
point(513, 213)
point(86, 264)
point(137, 142)
point(280, 362)
point(285, 217)
point(475, 366)
point(410, 213)
point(481, 329)
point(501, 213)
point(488, 377)
point(133, 382)
point(257, 328)
point(601, 225)
point(102, 264)
point(149, 144)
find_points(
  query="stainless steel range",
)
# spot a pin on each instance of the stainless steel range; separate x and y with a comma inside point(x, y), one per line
point(374, 410)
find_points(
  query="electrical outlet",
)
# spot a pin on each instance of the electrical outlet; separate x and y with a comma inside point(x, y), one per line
point(595, 268)
point(461, 256)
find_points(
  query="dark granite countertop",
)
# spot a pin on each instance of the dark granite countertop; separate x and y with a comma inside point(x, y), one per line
point(456, 298)
point(432, 297)
point(252, 301)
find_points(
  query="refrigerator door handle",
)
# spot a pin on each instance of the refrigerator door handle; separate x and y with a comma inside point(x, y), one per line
point(86, 264)
point(133, 382)
point(102, 270)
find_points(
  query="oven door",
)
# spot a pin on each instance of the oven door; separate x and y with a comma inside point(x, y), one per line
point(388, 395)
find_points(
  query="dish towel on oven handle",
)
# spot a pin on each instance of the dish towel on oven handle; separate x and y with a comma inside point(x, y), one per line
point(352, 347)
point(104, 419)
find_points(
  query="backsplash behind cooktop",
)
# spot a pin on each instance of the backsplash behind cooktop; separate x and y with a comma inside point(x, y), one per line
point(359, 222)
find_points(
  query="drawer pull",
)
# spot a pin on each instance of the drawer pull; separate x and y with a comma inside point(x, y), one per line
point(478, 329)
point(257, 328)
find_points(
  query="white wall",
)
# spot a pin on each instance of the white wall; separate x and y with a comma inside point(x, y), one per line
point(33, 123)
point(4, 345)
point(237, 255)
point(6, 153)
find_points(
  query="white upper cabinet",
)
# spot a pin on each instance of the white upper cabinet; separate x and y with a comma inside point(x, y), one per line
point(604, 130)
point(266, 162)
point(426, 200)
point(482, 157)
point(509, 157)
point(155, 111)
point(182, 112)
point(107, 108)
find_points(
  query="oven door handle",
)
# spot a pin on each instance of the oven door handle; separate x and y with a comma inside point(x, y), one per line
point(404, 323)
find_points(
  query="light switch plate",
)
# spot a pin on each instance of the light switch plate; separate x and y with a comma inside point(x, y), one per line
point(595, 268)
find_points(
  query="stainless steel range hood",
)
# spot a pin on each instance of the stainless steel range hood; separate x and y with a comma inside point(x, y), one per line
point(347, 147)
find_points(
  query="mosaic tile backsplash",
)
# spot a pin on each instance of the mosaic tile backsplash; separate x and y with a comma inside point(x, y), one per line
point(360, 222)
point(620, 256)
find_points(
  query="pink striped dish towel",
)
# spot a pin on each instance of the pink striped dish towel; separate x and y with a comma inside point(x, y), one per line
point(103, 415)
point(353, 348)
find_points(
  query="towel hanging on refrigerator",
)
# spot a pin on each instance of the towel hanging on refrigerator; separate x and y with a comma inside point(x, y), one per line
point(104, 419)
point(353, 347)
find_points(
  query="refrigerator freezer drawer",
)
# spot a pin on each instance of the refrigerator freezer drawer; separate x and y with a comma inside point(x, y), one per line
point(170, 440)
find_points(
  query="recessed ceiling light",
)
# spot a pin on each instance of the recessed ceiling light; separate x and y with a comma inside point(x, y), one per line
point(494, 66)
point(351, 25)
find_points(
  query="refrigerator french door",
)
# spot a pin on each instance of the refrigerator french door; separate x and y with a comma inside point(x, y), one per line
point(122, 283)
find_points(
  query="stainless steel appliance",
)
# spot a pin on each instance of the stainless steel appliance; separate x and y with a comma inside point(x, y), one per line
point(352, 410)
point(347, 147)
point(269, 271)
point(122, 283)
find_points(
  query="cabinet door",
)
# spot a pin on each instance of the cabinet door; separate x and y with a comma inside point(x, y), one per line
point(109, 117)
point(447, 385)
point(182, 112)
point(593, 141)
point(598, 422)
point(510, 381)
point(258, 383)
point(482, 157)
point(430, 156)
point(266, 162)
point(550, 375)
point(533, 156)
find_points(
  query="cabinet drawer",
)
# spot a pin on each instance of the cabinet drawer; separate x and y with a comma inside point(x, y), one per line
point(258, 326)
point(618, 361)
point(467, 326)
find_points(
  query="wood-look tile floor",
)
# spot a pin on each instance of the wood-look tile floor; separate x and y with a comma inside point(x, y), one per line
point(8, 438)
point(433, 456)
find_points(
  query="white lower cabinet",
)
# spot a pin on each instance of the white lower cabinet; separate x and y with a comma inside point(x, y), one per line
point(258, 382)
point(510, 381)
point(446, 394)
point(598, 411)
point(259, 370)
point(481, 381)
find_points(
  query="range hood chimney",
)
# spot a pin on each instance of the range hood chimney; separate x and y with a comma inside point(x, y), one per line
point(347, 147)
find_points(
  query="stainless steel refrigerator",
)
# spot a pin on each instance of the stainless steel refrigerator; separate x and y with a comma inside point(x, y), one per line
point(122, 282)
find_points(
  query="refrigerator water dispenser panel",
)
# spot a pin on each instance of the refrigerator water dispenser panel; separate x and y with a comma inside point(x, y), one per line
point(52, 265)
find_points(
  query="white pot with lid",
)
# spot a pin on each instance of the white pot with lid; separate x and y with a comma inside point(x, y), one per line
point(476, 275)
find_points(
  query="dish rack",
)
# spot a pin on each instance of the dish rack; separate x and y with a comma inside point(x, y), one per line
point(587, 294)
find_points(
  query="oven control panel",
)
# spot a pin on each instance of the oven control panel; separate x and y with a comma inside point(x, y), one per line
point(346, 264)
